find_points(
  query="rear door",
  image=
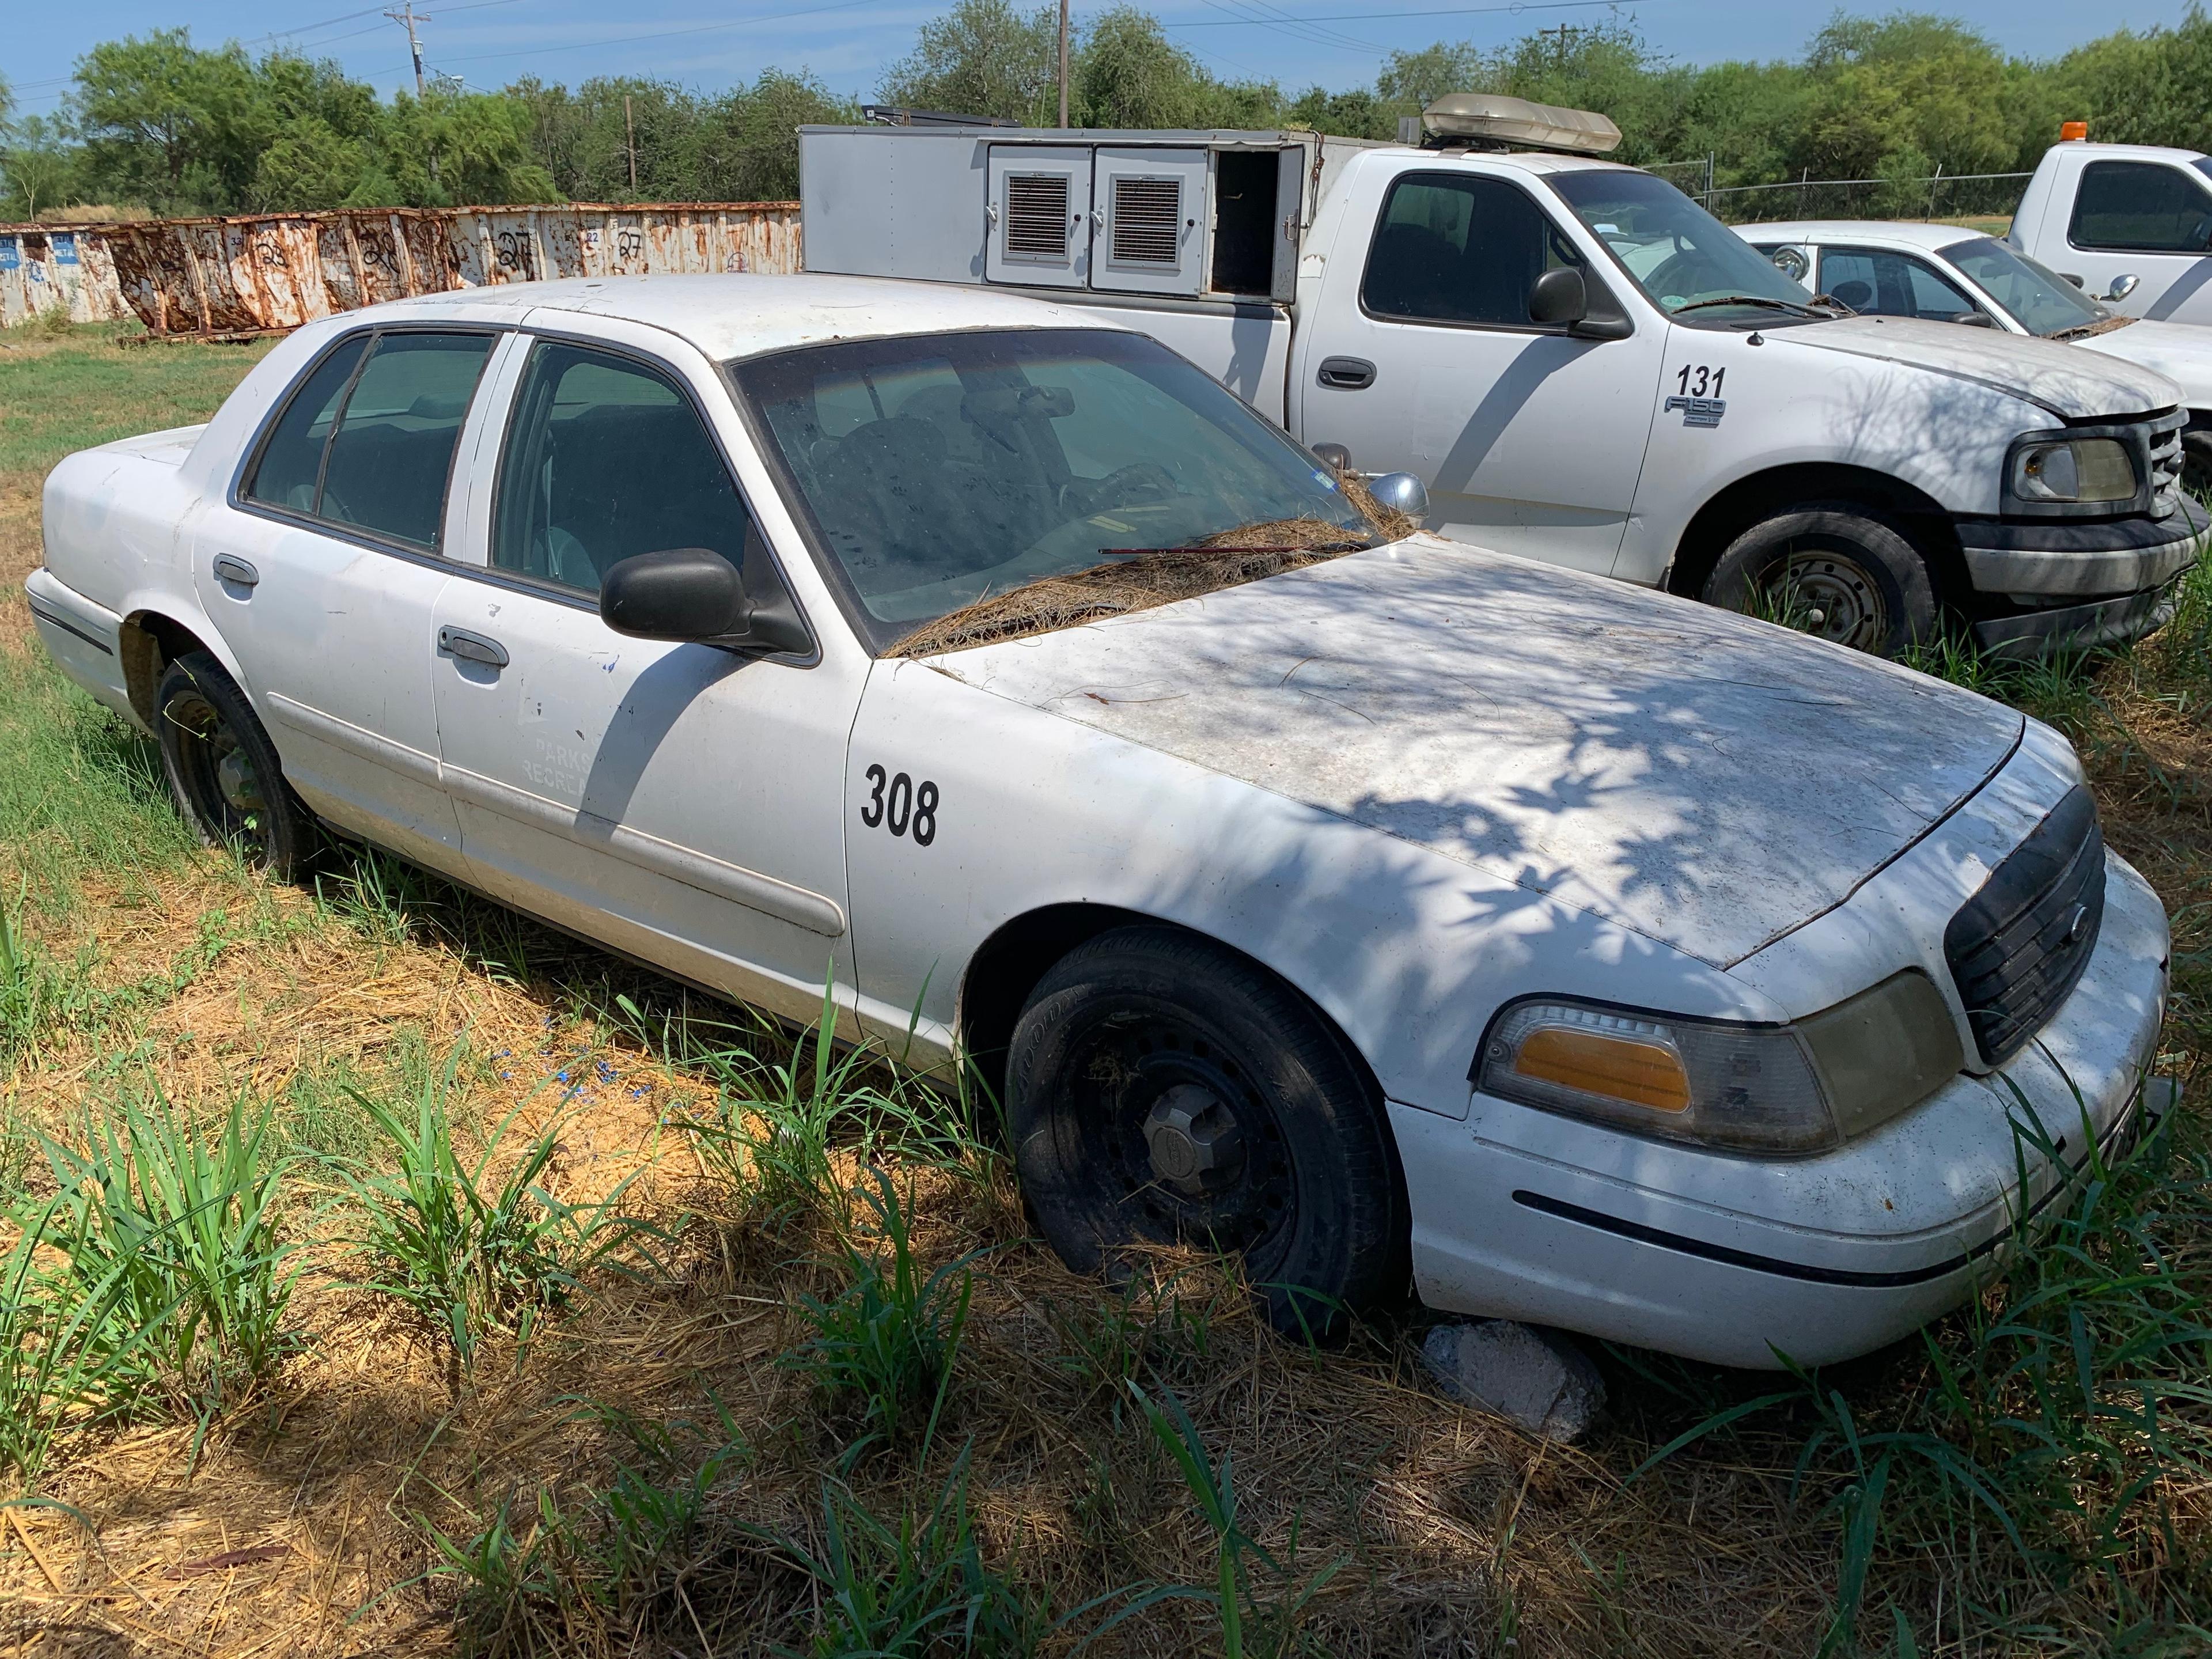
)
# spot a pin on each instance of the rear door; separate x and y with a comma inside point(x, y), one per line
point(323, 571)
point(681, 802)
point(1529, 441)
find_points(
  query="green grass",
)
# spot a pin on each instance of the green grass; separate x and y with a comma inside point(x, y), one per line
point(69, 393)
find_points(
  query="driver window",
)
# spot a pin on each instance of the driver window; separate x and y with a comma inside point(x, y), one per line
point(1452, 248)
point(605, 457)
point(1884, 284)
point(2143, 207)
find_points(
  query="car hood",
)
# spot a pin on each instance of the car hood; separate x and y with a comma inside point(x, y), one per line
point(2060, 377)
point(2180, 351)
point(1708, 780)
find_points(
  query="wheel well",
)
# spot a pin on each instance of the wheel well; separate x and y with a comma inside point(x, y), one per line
point(148, 643)
point(1007, 966)
point(1763, 494)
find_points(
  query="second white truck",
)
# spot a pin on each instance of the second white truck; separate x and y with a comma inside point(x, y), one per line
point(1581, 364)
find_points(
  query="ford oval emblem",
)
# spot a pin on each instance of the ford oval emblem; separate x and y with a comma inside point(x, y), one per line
point(2077, 925)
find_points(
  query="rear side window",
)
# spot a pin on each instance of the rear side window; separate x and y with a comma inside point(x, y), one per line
point(605, 458)
point(2140, 207)
point(1455, 249)
point(368, 441)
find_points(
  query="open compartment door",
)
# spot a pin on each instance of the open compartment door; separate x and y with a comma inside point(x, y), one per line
point(1040, 215)
point(1152, 221)
point(1290, 220)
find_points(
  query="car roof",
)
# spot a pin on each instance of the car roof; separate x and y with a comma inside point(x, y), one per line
point(743, 314)
point(2134, 152)
point(1912, 234)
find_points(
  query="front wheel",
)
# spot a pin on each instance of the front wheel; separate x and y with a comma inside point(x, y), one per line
point(223, 770)
point(1162, 1090)
point(1832, 572)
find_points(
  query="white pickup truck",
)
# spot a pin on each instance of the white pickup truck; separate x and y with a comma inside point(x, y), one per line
point(1581, 364)
point(1351, 900)
point(2130, 223)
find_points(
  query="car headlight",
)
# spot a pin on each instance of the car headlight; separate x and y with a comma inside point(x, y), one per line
point(1794, 1089)
point(2074, 471)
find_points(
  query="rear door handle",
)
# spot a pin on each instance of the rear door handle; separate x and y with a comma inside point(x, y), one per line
point(459, 642)
point(230, 568)
point(1347, 374)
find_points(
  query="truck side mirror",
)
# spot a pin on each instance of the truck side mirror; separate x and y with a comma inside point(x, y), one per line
point(1560, 298)
point(1403, 491)
point(687, 593)
point(2124, 286)
point(1972, 319)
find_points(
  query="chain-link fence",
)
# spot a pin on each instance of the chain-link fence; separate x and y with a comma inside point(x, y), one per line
point(1938, 196)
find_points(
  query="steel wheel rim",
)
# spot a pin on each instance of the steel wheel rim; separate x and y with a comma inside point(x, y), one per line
point(218, 773)
point(1830, 595)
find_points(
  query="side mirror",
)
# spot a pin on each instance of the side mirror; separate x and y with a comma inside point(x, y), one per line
point(1336, 457)
point(1973, 320)
point(2124, 286)
point(1560, 298)
point(693, 593)
point(1402, 491)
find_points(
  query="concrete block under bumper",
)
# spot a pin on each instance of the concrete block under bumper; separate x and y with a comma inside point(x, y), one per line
point(1525, 1215)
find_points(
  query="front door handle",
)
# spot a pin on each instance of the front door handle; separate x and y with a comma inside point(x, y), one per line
point(1347, 374)
point(230, 568)
point(459, 642)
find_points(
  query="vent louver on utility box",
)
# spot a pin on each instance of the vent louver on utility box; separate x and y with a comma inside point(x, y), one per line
point(1036, 215)
point(1147, 220)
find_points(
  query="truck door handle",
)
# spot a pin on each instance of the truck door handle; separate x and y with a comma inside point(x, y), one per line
point(230, 568)
point(1347, 374)
point(459, 642)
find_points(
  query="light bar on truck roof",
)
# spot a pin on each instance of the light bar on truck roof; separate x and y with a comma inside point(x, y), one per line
point(1492, 117)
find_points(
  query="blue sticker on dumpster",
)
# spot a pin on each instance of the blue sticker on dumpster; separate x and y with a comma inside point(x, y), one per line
point(64, 246)
point(11, 253)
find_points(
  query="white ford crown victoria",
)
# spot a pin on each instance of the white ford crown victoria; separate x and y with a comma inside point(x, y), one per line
point(1604, 959)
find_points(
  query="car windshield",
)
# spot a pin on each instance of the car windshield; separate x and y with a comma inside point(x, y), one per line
point(1686, 261)
point(2039, 301)
point(941, 470)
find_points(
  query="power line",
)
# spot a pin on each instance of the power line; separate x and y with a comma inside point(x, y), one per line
point(1376, 16)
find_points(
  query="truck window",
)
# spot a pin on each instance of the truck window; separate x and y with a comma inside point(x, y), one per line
point(2140, 207)
point(1460, 248)
point(605, 457)
point(1889, 284)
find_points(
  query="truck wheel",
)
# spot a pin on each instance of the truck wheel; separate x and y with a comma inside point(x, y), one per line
point(1830, 572)
point(1161, 1090)
point(223, 768)
point(2196, 464)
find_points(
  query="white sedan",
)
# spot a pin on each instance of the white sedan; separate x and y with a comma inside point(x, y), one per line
point(1947, 273)
point(1375, 908)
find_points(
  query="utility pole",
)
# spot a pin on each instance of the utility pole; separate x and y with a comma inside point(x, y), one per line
point(630, 122)
point(1063, 64)
point(414, 41)
point(1563, 32)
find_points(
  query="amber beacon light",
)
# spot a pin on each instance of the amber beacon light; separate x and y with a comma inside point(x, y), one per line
point(2073, 132)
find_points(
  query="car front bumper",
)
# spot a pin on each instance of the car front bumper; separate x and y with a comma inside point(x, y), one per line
point(1738, 1261)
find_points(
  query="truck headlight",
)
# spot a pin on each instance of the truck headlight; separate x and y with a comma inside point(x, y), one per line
point(1794, 1089)
point(2072, 471)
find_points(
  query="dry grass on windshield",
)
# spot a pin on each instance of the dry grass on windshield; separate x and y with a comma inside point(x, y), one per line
point(556, 1310)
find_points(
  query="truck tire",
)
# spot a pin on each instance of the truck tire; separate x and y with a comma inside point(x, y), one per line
point(2197, 463)
point(1162, 1090)
point(223, 770)
point(1833, 572)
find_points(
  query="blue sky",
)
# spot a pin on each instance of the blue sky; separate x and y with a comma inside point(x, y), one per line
point(848, 42)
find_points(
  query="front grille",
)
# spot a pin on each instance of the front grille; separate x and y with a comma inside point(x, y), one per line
point(2165, 435)
point(1147, 216)
point(1036, 215)
point(2018, 947)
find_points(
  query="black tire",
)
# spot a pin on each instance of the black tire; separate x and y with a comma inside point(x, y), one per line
point(1152, 1031)
point(2197, 463)
point(1833, 572)
point(223, 770)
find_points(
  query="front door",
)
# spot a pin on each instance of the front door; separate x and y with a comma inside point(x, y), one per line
point(324, 580)
point(679, 801)
point(2149, 219)
point(1529, 441)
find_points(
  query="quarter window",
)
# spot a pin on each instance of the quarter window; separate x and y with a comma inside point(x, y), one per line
point(1456, 249)
point(367, 441)
point(2140, 207)
point(605, 458)
point(1889, 285)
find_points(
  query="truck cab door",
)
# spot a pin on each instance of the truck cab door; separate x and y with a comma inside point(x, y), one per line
point(1421, 358)
point(2150, 220)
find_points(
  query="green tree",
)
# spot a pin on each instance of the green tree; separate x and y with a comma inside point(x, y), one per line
point(167, 123)
point(982, 58)
point(1129, 74)
point(749, 143)
point(38, 166)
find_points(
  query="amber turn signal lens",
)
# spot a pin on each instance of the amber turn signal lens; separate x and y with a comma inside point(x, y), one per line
point(1642, 1073)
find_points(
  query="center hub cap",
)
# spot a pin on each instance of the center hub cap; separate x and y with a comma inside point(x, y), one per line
point(1191, 1135)
point(234, 775)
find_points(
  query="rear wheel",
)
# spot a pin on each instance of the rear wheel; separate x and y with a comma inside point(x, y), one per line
point(1162, 1090)
point(223, 770)
point(1835, 573)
